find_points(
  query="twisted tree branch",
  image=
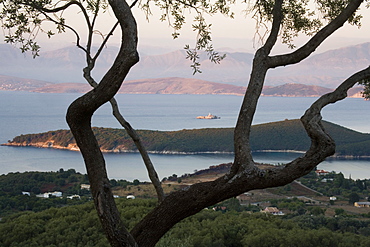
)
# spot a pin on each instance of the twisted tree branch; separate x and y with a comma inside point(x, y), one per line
point(243, 157)
point(135, 137)
point(79, 116)
point(181, 204)
point(308, 48)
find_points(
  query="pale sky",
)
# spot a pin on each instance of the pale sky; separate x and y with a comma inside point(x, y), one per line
point(236, 34)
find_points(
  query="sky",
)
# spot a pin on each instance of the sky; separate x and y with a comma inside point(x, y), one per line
point(236, 34)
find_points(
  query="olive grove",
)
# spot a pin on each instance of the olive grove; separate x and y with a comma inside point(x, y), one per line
point(277, 21)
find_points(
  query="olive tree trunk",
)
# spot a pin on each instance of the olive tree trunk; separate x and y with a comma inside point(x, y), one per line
point(243, 176)
point(79, 120)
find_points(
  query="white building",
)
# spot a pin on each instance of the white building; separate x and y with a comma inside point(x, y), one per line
point(85, 186)
point(48, 194)
point(272, 210)
point(362, 204)
point(74, 197)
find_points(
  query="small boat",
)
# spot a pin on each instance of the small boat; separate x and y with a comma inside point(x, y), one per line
point(209, 116)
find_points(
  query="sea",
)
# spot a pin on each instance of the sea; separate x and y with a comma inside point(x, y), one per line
point(25, 113)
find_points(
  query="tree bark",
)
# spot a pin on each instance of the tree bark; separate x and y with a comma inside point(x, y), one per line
point(184, 203)
point(244, 174)
point(115, 109)
point(131, 132)
point(79, 116)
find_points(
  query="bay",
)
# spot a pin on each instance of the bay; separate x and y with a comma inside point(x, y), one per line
point(23, 113)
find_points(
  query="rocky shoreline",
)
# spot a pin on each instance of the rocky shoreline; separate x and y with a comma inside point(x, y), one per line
point(74, 147)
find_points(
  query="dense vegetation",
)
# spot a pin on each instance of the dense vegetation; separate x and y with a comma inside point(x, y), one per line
point(336, 184)
point(284, 135)
point(68, 182)
point(38, 182)
point(77, 226)
point(31, 221)
point(12, 185)
point(210, 228)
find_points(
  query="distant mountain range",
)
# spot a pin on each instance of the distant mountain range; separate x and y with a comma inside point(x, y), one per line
point(171, 85)
point(326, 69)
point(300, 90)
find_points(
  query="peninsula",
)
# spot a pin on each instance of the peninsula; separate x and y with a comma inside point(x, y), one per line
point(287, 135)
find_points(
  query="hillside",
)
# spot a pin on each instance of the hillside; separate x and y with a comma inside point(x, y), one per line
point(284, 135)
point(171, 85)
point(326, 69)
point(292, 89)
point(11, 83)
point(236, 225)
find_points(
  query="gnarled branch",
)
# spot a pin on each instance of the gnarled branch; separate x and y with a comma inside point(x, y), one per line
point(244, 174)
point(308, 48)
point(181, 204)
point(243, 157)
point(79, 120)
point(135, 137)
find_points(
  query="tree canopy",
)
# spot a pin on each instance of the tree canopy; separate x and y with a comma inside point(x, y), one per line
point(75, 226)
point(280, 19)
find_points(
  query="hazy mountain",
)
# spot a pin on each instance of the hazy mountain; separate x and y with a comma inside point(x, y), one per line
point(234, 69)
point(62, 65)
point(67, 87)
point(170, 85)
point(326, 69)
point(293, 89)
point(176, 85)
point(301, 90)
point(8, 83)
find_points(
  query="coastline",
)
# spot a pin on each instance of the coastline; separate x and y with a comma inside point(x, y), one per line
point(73, 147)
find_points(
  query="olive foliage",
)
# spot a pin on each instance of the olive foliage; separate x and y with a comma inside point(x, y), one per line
point(276, 20)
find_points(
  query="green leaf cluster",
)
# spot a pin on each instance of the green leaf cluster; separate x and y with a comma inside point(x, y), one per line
point(22, 21)
point(299, 17)
point(175, 13)
point(366, 92)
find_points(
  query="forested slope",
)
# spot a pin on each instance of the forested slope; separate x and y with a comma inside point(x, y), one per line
point(79, 226)
point(283, 135)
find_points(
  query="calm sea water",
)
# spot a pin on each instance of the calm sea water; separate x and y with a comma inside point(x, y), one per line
point(23, 113)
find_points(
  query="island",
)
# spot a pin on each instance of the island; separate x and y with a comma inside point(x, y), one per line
point(287, 136)
point(209, 116)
